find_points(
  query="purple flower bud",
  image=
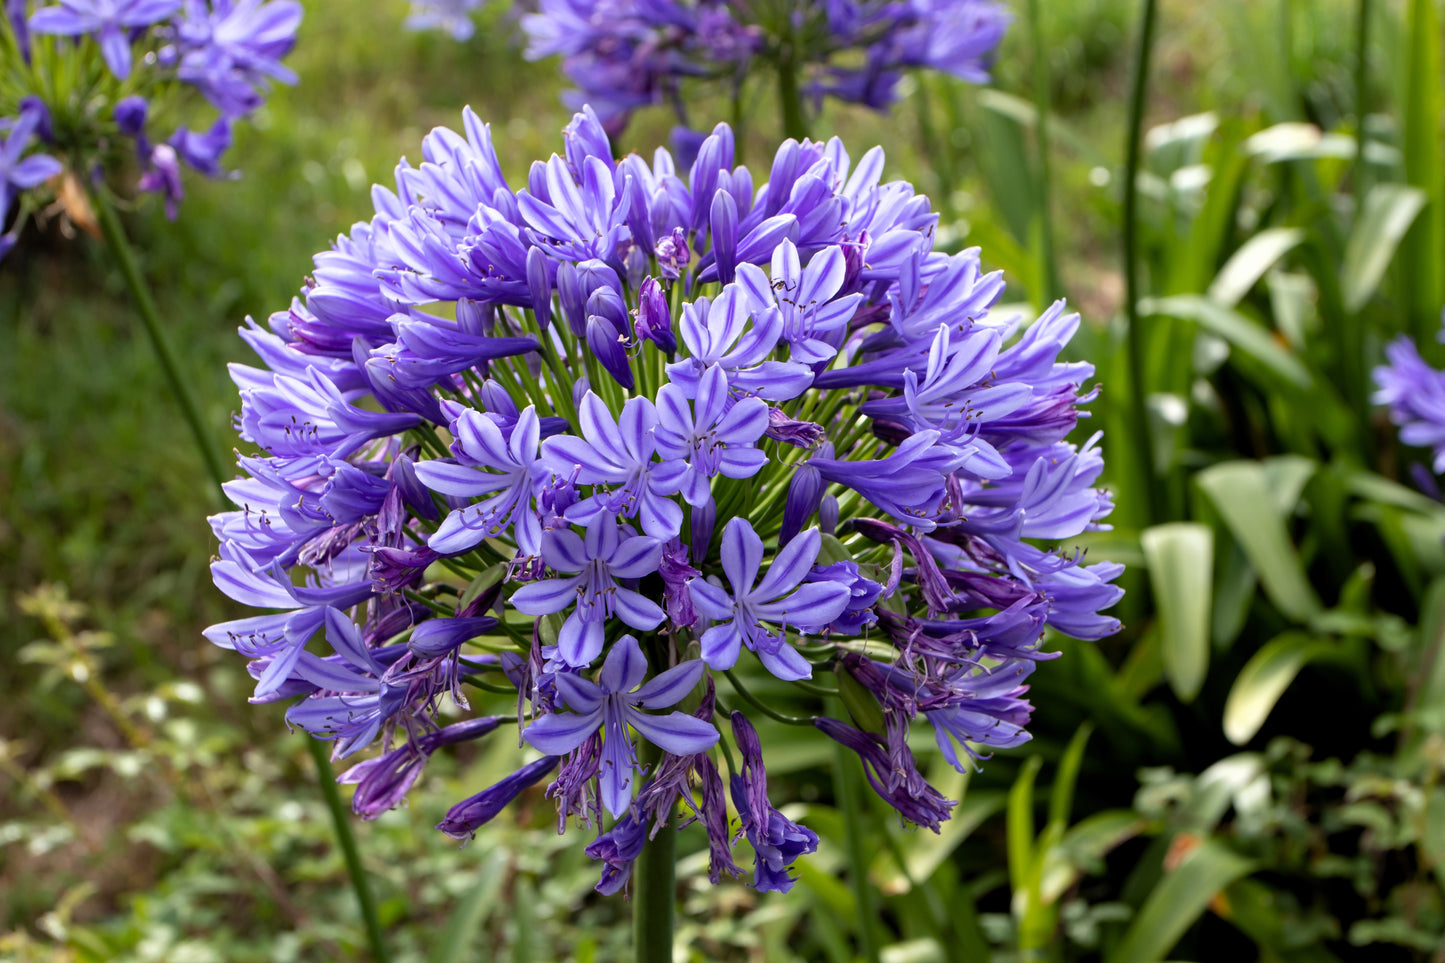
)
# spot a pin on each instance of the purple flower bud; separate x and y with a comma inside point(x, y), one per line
point(777, 840)
point(905, 791)
point(130, 116)
point(466, 817)
point(202, 152)
point(606, 343)
point(673, 254)
point(723, 224)
point(799, 434)
point(828, 515)
point(539, 285)
point(675, 572)
point(35, 107)
point(686, 143)
point(619, 847)
point(393, 569)
point(435, 638)
point(652, 321)
point(703, 520)
point(382, 783)
point(163, 176)
point(15, 13)
point(805, 494)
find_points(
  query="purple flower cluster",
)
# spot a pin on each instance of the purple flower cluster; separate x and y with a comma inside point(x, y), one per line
point(453, 16)
point(227, 50)
point(622, 434)
point(626, 54)
point(1415, 393)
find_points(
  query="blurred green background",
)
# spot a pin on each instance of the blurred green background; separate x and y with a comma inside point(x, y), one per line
point(1249, 769)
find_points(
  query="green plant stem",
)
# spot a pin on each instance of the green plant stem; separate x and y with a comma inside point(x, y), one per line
point(1138, 398)
point(1362, 99)
point(120, 249)
point(340, 821)
point(1048, 267)
point(654, 890)
point(795, 122)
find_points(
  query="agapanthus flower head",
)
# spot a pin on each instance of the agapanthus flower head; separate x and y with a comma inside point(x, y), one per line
point(627, 54)
point(157, 55)
point(1415, 394)
point(452, 16)
point(622, 440)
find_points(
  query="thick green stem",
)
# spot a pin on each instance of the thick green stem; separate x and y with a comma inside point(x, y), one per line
point(1048, 268)
point(654, 890)
point(120, 249)
point(790, 99)
point(1362, 99)
point(341, 822)
point(1138, 407)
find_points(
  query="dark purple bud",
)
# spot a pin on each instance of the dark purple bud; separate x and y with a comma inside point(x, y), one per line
point(435, 638)
point(686, 143)
point(777, 840)
point(202, 152)
point(673, 254)
point(382, 783)
point(723, 224)
point(828, 515)
point(417, 496)
point(539, 286)
point(906, 790)
point(607, 303)
point(163, 176)
point(805, 494)
point(393, 569)
point(675, 571)
point(715, 821)
point(606, 343)
point(853, 260)
point(652, 321)
point(35, 107)
point(618, 848)
point(863, 593)
point(469, 815)
point(703, 520)
point(925, 572)
point(15, 13)
point(799, 434)
point(634, 264)
point(130, 116)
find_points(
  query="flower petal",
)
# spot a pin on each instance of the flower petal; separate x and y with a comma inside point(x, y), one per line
point(561, 732)
point(677, 732)
point(670, 687)
point(742, 553)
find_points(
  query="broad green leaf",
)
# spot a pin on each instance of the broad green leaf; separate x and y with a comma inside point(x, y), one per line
point(1423, 251)
point(1177, 901)
point(471, 912)
point(1431, 654)
point(1061, 797)
point(1263, 680)
point(1378, 488)
point(1287, 476)
point(1181, 565)
point(1234, 592)
point(1388, 212)
point(1083, 849)
point(1250, 263)
point(1222, 784)
point(1239, 331)
point(1241, 494)
point(1021, 824)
